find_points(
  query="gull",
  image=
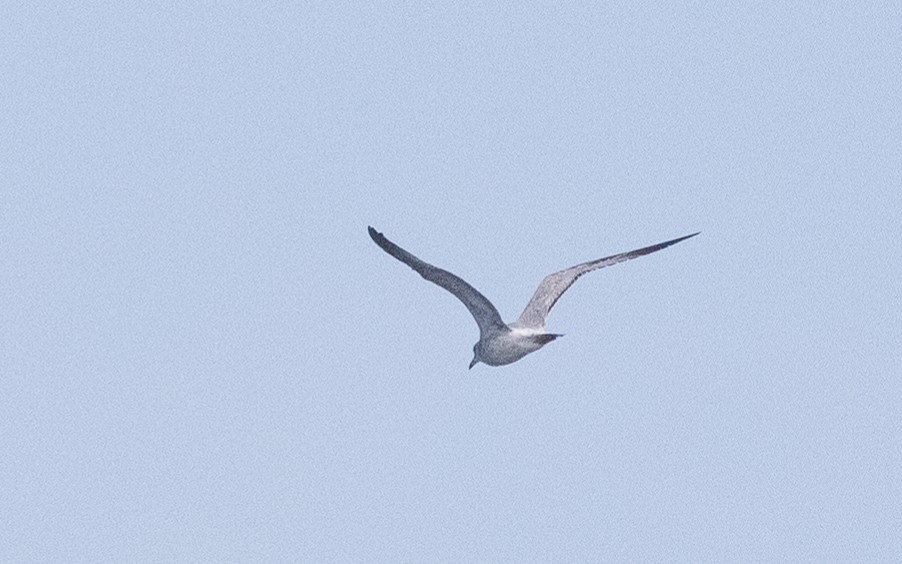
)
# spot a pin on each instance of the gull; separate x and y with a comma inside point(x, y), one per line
point(501, 343)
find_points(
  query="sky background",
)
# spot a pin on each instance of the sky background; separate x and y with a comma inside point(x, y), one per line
point(204, 358)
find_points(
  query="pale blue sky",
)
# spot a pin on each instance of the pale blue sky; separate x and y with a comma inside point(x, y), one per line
point(204, 358)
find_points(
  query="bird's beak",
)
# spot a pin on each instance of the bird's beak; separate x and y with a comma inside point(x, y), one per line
point(473, 362)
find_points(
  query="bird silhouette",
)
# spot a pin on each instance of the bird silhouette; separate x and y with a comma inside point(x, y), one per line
point(501, 343)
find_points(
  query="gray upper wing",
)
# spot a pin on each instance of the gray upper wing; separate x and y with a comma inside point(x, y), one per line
point(483, 311)
point(554, 285)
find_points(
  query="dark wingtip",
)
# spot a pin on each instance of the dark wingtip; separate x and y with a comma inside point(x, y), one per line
point(383, 243)
point(654, 248)
point(673, 241)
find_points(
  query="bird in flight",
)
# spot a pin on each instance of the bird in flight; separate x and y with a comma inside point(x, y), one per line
point(501, 343)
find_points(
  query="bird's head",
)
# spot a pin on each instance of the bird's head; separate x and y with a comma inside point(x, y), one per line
point(477, 357)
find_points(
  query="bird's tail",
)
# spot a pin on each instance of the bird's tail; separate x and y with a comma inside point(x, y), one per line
point(545, 338)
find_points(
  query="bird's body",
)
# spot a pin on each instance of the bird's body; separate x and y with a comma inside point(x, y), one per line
point(500, 343)
point(511, 344)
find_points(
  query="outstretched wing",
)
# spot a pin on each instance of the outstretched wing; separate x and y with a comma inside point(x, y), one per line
point(483, 311)
point(554, 285)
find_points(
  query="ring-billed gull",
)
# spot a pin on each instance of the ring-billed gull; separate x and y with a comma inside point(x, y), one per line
point(500, 343)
